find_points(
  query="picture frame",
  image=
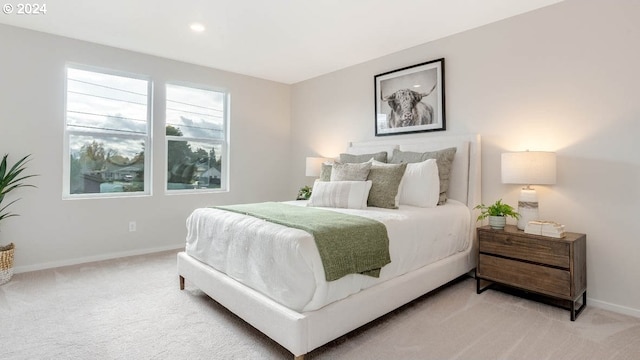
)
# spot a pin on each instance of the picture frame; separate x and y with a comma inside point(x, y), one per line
point(410, 99)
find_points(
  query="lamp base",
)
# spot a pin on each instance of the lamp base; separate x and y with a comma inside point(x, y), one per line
point(527, 207)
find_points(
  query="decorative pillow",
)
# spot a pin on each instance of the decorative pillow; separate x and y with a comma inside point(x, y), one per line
point(340, 194)
point(444, 160)
point(360, 158)
point(325, 172)
point(371, 149)
point(385, 185)
point(350, 172)
point(406, 157)
point(420, 184)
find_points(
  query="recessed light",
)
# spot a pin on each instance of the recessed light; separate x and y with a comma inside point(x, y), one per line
point(197, 27)
point(416, 86)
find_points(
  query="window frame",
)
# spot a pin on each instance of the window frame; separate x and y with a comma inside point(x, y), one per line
point(147, 138)
point(224, 143)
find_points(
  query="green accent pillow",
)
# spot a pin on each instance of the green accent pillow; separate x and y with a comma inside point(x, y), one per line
point(352, 158)
point(325, 172)
point(444, 160)
point(350, 172)
point(385, 185)
point(406, 157)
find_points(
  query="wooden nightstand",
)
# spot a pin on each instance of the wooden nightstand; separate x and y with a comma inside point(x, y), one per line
point(554, 268)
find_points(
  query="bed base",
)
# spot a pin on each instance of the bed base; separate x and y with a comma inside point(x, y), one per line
point(300, 333)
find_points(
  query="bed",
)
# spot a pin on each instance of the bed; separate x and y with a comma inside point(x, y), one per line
point(302, 318)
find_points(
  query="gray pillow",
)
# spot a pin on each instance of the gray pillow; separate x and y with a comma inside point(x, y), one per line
point(385, 185)
point(407, 157)
point(325, 172)
point(444, 160)
point(352, 158)
point(350, 172)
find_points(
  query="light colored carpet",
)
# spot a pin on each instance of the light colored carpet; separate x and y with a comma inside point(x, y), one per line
point(131, 308)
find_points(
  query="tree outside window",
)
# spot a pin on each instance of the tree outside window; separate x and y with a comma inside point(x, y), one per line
point(107, 130)
point(196, 138)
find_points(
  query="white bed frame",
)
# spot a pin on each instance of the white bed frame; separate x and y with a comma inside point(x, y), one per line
point(300, 333)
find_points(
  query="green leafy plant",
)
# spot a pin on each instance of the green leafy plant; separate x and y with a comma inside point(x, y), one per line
point(304, 193)
point(496, 209)
point(11, 178)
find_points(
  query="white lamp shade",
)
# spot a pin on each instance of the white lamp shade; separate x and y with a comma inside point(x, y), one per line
point(314, 165)
point(529, 167)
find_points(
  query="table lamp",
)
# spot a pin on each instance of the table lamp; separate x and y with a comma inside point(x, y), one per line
point(528, 168)
point(314, 165)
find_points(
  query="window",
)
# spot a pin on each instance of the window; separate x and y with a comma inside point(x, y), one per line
point(107, 127)
point(196, 123)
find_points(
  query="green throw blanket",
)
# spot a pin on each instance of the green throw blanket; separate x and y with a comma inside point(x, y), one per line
point(348, 244)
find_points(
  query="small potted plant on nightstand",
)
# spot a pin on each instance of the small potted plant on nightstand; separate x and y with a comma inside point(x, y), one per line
point(497, 214)
point(10, 179)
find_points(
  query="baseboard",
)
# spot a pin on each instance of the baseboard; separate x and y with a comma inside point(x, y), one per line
point(613, 307)
point(88, 259)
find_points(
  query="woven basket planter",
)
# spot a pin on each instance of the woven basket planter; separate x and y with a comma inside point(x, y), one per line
point(6, 263)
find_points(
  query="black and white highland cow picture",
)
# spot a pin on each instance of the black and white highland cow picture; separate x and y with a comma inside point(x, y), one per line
point(411, 99)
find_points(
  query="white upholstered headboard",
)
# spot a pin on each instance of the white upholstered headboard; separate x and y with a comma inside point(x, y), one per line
point(464, 184)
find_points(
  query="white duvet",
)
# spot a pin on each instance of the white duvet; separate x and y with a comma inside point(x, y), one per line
point(284, 264)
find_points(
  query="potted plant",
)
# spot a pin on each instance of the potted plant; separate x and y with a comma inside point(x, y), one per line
point(11, 178)
point(497, 214)
point(304, 193)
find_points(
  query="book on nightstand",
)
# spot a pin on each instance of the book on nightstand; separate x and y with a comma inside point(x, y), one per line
point(545, 228)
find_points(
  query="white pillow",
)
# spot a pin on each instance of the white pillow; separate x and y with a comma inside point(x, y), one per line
point(340, 194)
point(420, 184)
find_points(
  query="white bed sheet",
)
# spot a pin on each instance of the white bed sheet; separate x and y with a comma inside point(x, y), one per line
point(284, 263)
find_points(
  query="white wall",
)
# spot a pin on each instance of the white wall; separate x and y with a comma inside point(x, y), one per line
point(563, 78)
point(52, 231)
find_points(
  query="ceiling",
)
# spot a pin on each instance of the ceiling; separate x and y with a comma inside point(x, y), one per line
point(282, 40)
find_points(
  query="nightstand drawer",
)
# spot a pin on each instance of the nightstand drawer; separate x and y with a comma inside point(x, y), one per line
point(542, 279)
point(530, 248)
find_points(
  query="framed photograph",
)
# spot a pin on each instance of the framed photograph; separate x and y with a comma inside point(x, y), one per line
point(410, 99)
